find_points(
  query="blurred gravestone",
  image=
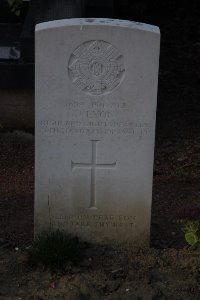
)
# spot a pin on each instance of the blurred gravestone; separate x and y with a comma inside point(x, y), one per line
point(99, 8)
point(43, 11)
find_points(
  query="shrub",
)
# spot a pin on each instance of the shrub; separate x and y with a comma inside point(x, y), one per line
point(190, 229)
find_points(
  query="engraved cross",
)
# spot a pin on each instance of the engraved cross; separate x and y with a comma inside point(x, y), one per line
point(93, 166)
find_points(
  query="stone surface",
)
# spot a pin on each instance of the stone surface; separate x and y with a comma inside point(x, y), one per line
point(96, 90)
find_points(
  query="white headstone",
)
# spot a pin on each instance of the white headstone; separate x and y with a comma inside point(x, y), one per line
point(96, 91)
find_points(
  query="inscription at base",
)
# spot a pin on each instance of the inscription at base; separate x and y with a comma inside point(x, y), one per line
point(94, 221)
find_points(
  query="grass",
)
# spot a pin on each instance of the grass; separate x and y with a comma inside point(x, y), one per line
point(55, 250)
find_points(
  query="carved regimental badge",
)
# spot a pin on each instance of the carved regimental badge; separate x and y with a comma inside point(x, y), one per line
point(96, 67)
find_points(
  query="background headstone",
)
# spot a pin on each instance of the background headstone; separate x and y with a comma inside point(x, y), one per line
point(96, 90)
point(43, 11)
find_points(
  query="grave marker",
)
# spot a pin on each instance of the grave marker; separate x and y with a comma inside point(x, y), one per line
point(96, 90)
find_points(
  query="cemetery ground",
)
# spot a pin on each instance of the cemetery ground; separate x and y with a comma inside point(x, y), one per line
point(166, 270)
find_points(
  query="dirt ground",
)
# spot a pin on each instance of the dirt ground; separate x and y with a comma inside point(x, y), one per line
point(105, 274)
point(164, 271)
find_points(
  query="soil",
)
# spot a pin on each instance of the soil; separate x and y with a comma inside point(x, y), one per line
point(166, 270)
point(105, 273)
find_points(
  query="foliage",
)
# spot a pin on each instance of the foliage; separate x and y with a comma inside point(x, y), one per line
point(191, 228)
point(15, 6)
point(55, 250)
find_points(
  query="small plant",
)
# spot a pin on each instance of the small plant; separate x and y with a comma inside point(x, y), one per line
point(191, 228)
point(55, 250)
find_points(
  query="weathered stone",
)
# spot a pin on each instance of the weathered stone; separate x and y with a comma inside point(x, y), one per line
point(96, 90)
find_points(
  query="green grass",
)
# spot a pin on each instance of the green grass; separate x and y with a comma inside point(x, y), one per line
point(55, 250)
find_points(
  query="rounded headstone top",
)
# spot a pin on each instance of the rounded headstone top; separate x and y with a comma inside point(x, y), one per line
point(97, 21)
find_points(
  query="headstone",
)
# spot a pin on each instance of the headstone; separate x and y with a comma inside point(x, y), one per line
point(96, 90)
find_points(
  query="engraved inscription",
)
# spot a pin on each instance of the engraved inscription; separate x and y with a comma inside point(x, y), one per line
point(70, 127)
point(95, 221)
point(95, 119)
point(96, 67)
point(93, 166)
